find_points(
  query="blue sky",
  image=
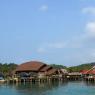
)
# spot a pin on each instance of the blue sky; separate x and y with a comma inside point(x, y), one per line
point(52, 31)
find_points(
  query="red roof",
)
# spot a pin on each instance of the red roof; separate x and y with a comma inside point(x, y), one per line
point(91, 72)
point(88, 71)
point(83, 71)
point(30, 66)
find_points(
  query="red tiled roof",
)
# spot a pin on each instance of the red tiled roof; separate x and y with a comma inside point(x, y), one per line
point(91, 72)
point(30, 66)
point(83, 71)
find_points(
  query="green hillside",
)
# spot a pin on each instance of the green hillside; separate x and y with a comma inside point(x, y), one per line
point(81, 67)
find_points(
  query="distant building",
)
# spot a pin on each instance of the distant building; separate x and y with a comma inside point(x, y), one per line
point(83, 72)
point(37, 69)
point(90, 71)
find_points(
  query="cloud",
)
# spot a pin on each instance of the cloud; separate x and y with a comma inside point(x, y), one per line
point(78, 42)
point(50, 46)
point(58, 45)
point(43, 8)
point(90, 29)
point(89, 10)
point(41, 50)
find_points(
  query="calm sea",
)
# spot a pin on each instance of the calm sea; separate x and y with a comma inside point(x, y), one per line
point(55, 88)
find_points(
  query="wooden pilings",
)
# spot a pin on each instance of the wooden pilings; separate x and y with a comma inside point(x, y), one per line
point(51, 79)
point(74, 78)
point(41, 80)
point(89, 79)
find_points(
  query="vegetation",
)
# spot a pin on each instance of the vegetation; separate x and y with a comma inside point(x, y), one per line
point(7, 68)
point(58, 66)
point(78, 68)
point(81, 67)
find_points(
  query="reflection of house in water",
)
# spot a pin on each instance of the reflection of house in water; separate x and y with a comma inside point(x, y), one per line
point(37, 87)
point(35, 69)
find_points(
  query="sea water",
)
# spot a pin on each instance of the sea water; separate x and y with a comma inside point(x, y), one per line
point(49, 88)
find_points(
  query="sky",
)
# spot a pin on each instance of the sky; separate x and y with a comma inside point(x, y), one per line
point(51, 31)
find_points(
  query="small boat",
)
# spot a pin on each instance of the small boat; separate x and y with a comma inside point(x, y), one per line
point(2, 80)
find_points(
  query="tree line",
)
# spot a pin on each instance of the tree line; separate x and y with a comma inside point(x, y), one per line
point(81, 67)
point(7, 68)
point(77, 68)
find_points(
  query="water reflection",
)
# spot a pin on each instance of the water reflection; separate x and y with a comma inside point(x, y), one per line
point(89, 83)
point(49, 88)
point(38, 88)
